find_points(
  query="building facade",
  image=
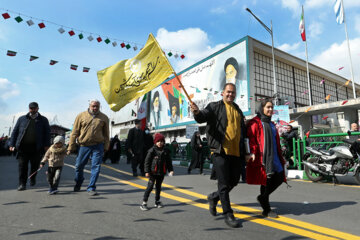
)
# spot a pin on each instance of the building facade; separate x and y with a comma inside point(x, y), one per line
point(248, 64)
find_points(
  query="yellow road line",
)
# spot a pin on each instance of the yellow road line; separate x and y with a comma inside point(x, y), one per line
point(297, 229)
point(338, 184)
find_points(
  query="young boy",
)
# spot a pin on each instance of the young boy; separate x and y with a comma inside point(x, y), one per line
point(55, 155)
point(157, 162)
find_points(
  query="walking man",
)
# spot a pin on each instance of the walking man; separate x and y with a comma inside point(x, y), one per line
point(91, 131)
point(136, 148)
point(31, 138)
point(225, 132)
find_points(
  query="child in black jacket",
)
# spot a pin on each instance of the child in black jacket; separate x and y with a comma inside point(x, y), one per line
point(157, 162)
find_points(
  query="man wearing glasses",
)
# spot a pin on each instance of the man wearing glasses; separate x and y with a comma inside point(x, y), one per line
point(31, 138)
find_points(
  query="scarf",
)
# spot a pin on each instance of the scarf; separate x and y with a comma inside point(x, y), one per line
point(268, 156)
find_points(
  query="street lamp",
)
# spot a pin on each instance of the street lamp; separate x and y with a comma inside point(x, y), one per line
point(270, 30)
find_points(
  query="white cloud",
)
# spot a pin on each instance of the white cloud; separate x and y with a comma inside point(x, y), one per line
point(315, 29)
point(293, 5)
point(218, 10)
point(327, 3)
point(288, 47)
point(193, 42)
point(357, 23)
point(337, 56)
point(8, 89)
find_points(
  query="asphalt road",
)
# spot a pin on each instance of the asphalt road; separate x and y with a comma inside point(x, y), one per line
point(307, 210)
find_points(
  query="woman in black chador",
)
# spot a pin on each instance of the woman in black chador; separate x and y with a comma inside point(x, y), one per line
point(196, 146)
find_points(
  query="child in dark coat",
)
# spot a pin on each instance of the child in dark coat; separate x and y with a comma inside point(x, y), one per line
point(157, 163)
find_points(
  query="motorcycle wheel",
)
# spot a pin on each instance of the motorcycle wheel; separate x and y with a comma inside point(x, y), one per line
point(313, 176)
point(357, 175)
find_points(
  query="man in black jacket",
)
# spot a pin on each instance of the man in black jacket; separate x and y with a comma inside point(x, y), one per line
point(136, 147)
point(226, 132)
point(31, 138)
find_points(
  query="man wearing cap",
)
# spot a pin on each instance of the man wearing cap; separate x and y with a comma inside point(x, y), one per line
point(91, 130)
point(136, 147)
point(31, 138)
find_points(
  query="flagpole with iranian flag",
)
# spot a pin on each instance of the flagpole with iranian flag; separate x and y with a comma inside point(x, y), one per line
point(340, 18)
point(303, 36)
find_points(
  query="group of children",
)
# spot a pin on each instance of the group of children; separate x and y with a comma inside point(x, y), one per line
point(157, 163)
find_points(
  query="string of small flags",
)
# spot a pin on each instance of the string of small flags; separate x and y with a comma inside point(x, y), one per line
point(82, 34)
point(51, 62)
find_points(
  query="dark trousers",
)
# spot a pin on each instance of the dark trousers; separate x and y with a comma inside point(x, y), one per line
point(227, 170)
point(272, 184)
point(157, 180)
point(196, 161)
point(53, 177)
point(136, 161)
point(24, 158)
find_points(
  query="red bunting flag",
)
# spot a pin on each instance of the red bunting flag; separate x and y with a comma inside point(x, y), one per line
point(71, 33)
point(182, 56)
point(85, 69)
point(122, 45)
point(324, 118)
point(99, 39)
point(291, 121)
point(307, 134)
point(53, 62)
point(41, 25)
point(340, 68)
point(344, 102)
point(6, 15)
point(73, 67)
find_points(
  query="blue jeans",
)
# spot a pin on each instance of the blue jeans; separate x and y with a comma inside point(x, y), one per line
point(94, 152)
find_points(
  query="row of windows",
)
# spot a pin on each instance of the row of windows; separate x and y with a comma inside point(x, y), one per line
point(293, 82)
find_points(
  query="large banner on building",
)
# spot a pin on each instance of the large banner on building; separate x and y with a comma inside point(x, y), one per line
point(204, 82)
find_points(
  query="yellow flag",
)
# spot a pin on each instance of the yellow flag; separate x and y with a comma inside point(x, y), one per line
point(129, 79)
point(327, 97)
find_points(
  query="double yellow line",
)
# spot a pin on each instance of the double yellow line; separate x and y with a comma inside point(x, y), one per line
point(282, 223)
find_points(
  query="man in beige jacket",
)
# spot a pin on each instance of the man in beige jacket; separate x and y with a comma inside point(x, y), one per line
point(91, 130)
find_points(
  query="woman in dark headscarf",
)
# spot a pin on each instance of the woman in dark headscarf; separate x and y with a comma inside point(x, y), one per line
point(196, 146)
point(266, 165)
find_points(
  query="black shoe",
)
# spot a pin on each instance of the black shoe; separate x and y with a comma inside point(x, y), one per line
point(77, 188)
point(231, 221)
point(32, 182)
point(21, 188)
point(212, 205)
point(270, 214)
point(189, 171)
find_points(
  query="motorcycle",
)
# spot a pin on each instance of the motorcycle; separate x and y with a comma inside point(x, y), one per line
point(337, 161)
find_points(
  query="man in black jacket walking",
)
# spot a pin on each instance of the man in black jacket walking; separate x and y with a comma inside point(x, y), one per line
point(226, 132)
point(136, 147)
point(31, 138)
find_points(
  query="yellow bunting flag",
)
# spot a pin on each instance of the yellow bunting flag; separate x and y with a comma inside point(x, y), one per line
point(327, 97)
point(129, 79)
point(308, 109)
point(347, 82)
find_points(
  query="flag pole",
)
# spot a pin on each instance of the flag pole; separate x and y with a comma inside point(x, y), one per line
point(307, 59)
point(348, 45)
point(182, 86)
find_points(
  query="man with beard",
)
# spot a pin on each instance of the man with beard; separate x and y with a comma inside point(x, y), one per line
point(91, 130)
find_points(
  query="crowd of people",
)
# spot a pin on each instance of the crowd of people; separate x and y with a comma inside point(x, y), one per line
point(250, 151)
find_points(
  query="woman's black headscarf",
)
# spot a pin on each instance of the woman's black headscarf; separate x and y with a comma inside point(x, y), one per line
point(268, 156)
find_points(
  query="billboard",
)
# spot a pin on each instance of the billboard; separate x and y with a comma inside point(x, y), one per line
point(203, 81)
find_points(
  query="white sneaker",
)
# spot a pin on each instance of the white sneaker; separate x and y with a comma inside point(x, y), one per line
point(158, 205)
point(144, 207)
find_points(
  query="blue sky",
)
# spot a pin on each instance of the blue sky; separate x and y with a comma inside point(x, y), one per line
point(196, 28)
